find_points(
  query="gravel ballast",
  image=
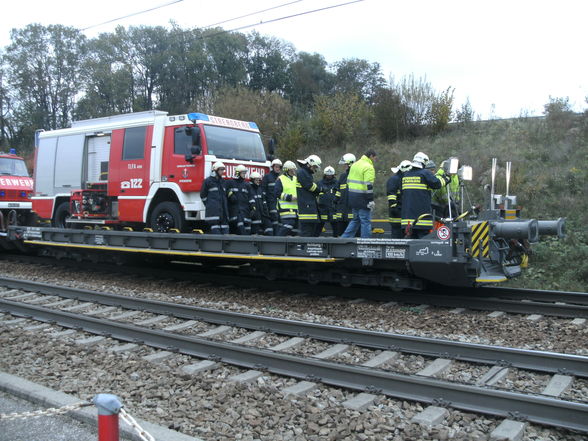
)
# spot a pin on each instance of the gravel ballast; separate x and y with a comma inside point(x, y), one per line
point(209, 406)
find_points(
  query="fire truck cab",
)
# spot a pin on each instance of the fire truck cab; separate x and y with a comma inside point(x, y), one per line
point(142, 168)
point(16, 188)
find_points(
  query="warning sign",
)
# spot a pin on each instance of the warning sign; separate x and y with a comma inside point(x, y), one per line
point(443, 233)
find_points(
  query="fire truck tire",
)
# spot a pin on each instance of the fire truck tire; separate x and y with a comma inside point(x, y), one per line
point(167, 215)
point(61, 215)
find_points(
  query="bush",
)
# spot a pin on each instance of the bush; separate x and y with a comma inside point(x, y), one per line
point(341, 118)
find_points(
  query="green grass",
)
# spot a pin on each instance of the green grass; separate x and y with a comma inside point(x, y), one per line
point(549, 176)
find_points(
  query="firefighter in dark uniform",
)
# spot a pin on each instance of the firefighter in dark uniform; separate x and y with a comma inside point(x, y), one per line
point(393, 186)
point(343, 211)
point(326, 199)
point(308, 214)
point(285, 191)
point(417, 183)
point(214, 198)
point(241, 202)
point(268, 185)
point(260, 218)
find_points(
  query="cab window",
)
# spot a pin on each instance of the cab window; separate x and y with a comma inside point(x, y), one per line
point(134, 143)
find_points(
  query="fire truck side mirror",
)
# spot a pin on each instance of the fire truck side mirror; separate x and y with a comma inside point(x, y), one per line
point(271, 147)
point(194, 149)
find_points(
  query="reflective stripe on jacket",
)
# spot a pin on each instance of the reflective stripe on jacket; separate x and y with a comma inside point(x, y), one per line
point(440, 195)
point(240, 200)
point(344, 212)
point(307, 193)
point(214, 197)
point(360, 183)
point(326, 199)
point(284, 190)
point(393, 186)
point(416, 197)
point(268, 185)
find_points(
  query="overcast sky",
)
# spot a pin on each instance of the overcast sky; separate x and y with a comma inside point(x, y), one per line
point(508, 57)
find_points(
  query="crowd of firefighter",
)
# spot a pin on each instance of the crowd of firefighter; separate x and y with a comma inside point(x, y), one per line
point(287, 200)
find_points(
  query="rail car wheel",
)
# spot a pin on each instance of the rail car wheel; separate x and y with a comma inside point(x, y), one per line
point(167, 216)
point(62, 214)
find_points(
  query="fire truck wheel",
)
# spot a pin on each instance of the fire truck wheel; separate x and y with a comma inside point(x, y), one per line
point(61, 215)
point(167, 215)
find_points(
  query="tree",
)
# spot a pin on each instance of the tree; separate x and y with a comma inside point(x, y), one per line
point(44, 68)
point(417, 95)
point(390, 115)
point(109, 85)
point(308, 78)
point(185, 75)
point(465, 115)
point(441, 111)
point(227, 56)
point(358, 77)
point(341, 118)
point(5, 110)
point(558, 113)
point(269, 110)
point(267, 63)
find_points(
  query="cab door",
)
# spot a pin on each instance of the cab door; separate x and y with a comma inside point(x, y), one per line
point(175, 168)
point(130, 155)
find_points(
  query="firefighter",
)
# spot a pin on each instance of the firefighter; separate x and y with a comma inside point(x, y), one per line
point(393, 186)
point(360, 184)
point(241, 202)
point(417, 183)
point(326, 199)
point(260, 218)
point(440, 200)
point(268, 185)
point(308, 213)
point(214, 198)
point(285, 192)
point(343, 212)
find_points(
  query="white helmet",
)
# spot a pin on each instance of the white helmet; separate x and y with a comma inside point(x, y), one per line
point(313, 161)
point(240, 169)
point(347, 158)
point(329, 171)
point(289, 165)
point(419, 160)
point(405, 165)
point(276, 162)
point(217, 165)
point(254, 175)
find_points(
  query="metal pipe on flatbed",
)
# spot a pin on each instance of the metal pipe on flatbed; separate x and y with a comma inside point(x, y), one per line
point(523, 229)
point(553, 227)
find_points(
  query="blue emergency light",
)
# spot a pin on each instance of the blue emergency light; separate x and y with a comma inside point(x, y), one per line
point(12, 151)
point(198, 116)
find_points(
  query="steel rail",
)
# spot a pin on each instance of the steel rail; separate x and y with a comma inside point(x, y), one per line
point(534, 408)
point(539, 295)
point(520, 358)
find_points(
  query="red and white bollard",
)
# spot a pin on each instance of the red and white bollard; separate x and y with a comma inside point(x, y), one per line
point(108, 409)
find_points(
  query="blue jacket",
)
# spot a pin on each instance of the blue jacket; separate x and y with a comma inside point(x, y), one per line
point(214, 197)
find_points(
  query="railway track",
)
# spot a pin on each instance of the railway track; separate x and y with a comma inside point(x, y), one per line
point(509, 300)
point(41, 302)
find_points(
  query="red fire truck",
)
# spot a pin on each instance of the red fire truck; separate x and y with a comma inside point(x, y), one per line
point(138, 169)
point(16, 189)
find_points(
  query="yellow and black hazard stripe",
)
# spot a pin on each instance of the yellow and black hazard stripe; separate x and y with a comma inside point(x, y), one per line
point(481, 239)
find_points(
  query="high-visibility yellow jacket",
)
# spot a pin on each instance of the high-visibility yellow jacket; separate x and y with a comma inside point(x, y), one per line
point(360, 183)
point(285, 190)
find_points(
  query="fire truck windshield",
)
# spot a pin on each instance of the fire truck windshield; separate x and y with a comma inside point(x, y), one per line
point(13, 167)
point(227, 143)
